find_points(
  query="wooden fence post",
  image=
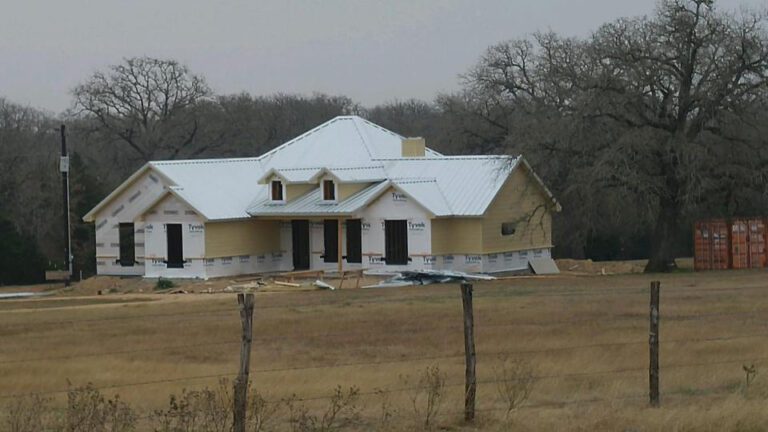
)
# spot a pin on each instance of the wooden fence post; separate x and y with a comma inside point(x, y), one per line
point(470, 386)
point(653, 341)
point(245, 301)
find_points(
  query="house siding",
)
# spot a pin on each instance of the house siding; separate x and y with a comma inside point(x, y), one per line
point(521, 201)
point(457, 236)
point(346, 190)
point(395, 205)
point(125, 208)
point(170, 210)
point(247, 237)
point(293, 191)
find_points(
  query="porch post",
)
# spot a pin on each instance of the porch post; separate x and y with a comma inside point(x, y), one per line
point(338, 246)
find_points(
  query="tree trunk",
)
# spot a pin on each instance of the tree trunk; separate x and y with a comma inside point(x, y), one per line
point(665, 233)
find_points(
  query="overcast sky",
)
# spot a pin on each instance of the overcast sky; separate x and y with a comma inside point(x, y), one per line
point(372, 51)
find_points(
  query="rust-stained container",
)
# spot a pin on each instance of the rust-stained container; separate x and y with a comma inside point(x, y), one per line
point(748, 238)
point(711, 244)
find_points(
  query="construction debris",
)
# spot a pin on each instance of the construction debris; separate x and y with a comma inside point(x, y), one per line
point(18, 295)
point(544, 266)
point(250, 286)
point(427, 277)
point(288, 284)
point(322, 285)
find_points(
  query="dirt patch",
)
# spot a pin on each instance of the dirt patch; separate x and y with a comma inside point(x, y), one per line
point(572, 266)
point(65, 302)
point(109, 285)
point(31, 288)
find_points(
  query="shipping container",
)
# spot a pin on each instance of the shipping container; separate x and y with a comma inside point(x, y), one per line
point(721, 244)
point(711, 243)
point(748, 243)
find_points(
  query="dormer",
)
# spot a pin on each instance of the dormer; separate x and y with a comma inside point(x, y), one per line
point(277, 190)
point(283, 186)
point(329, 190)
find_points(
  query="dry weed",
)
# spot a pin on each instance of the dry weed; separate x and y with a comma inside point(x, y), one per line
point(427, 396)
point(29, 414)
point(515, 380)
point(89, 411)
point(197, 411)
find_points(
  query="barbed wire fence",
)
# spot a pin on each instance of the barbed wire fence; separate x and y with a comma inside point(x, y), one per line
point(637, 395)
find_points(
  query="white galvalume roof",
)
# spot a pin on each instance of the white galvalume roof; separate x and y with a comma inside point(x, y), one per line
point(467, 184)
point(311, 203)
point(217, 188)
point(344, 140)
point(349, 149)
point(346, 174)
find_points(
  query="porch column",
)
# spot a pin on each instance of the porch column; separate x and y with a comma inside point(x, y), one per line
point(338, 246)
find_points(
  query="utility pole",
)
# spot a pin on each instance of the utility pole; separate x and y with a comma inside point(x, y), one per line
point(64, 169)
point(245, 301)
point(653, 342)
point(470, 384)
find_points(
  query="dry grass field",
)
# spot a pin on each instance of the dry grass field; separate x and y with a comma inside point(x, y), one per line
point(585, 338)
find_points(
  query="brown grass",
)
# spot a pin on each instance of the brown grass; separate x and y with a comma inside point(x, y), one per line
point(307, 343)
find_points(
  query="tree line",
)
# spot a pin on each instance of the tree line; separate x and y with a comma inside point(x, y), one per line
point(639, 129)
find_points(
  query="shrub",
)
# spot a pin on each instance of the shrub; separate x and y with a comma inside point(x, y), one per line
point(88, 411)
point(750, 372)
point(261, 412)
point(342, 412)
point(387, 411)
point(28, 414)
point(197, 411)
point(163, 284)
point(514, 382)
point(427, 395)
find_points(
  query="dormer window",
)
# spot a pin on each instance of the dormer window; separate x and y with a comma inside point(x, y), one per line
point(277, 191)
point(329, 190)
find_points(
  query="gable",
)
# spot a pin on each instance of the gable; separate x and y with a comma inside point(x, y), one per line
point(524, 206)
point(131, 198)
point(523, 186)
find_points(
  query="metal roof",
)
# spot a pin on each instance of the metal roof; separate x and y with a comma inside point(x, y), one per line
point(217, 188)
point(427, 193)
point(347, 140)
point(348, 148)
point(363, 174)
point(346, 174)
point(467, 184)
point(311, 203)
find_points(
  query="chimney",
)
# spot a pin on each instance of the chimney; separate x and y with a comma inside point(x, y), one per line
point(414, 147)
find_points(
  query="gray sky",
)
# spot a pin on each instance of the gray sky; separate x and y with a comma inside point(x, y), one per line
point(372, 51)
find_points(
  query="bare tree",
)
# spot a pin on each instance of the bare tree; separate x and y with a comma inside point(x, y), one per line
point(250, 125)
point(29, 177)
point(147, 104)
point(645, 106)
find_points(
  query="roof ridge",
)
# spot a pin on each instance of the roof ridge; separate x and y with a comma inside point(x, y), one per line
point(302, 136)
point(362, 138)
point(382, 128)
point(355, 167)
point(329, 168)
point(445, 198)
point(203, 161)
point(413, 179)
point(443, 157)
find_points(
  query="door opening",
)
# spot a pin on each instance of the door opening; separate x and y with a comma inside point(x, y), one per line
point(354, 241)
point(396, 242)
point(331, 240)
point(300, 240)
point(175, 257)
